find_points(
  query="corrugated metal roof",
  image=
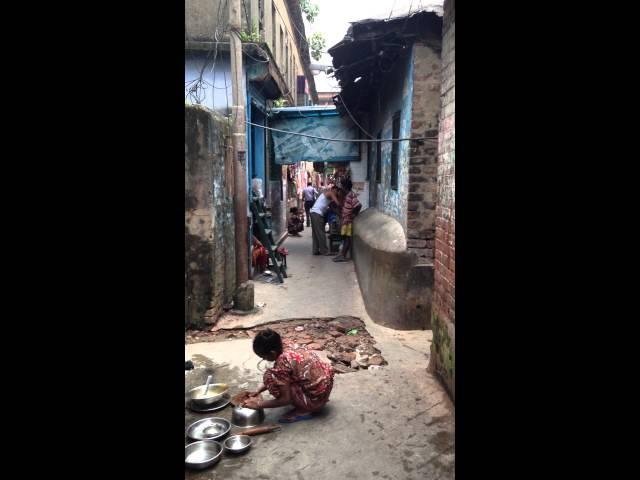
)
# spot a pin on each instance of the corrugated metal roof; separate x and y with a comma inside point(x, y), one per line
point(404, 8)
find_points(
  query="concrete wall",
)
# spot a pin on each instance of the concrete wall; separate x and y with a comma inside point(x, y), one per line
point(209, 220)
point(395, 288)
point(203, 17)
point(444, 314)
point(423, 154)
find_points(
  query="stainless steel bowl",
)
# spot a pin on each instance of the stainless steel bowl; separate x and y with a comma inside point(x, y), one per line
point(211, 428)
point(237, 443)
point(215, 393)
point(203, 454)
point(247, 417)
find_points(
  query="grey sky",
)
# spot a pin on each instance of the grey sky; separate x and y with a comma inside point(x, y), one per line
point(335, 15)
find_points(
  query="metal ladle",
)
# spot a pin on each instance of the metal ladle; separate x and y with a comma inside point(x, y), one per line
point(206, 387)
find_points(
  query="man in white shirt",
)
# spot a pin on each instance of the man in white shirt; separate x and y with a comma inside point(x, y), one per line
point(318, 212)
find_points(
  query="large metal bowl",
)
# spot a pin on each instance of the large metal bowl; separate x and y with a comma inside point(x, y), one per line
point(215, 393)
point(237, 443)
point(203, 454)
point(247, 417)
point(211, 428)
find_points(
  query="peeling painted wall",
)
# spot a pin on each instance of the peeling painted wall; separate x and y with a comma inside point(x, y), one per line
point(209, 219)
point(395, 95)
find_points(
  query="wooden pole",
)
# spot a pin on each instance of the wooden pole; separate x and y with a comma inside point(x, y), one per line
point(239, 144)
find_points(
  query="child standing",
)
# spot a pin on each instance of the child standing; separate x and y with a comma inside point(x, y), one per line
point(350, 208)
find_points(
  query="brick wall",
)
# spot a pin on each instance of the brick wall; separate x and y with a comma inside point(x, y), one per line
point(423, 154)
point(443, 319)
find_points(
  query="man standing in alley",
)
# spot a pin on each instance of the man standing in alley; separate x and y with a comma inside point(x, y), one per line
point(309, 194)
point(318, 212)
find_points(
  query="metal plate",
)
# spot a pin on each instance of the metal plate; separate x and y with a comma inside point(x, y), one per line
point(211, 428)
point(211, 408)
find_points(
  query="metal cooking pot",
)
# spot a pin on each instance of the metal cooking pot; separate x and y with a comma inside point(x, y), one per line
point(247, 417)
point(215, 393)
point(203, 454)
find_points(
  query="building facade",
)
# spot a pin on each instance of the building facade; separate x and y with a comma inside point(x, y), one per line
point(275, 72)
point(389, 74)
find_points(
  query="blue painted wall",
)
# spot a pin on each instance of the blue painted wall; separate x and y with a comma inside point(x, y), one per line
point(215, 95)
point(395, 95)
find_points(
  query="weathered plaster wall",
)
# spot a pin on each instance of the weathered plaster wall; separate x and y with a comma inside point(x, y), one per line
point(209, 220)
point(396, 95)
point(395, 288)
point(359, 178)
point(444, 314)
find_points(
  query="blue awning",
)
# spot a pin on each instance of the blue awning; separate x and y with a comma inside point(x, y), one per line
point(318, 121)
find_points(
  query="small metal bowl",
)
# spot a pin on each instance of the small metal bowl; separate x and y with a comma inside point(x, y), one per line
point(203, 454)
point(237, 443)
point(246, 417)
point(215, 393)
point(211, 428)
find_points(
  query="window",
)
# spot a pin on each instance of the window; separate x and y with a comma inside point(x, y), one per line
point(281, 45)
point(285, 60)
point(395, 146)
point(274, 31)
point(379, 159)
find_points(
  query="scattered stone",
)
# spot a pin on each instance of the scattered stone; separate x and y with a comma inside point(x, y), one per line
point(376, 360)
point(299, 329)
point(322, 355)
point(354, 364)
point(345, 357)
point(340, 368)
point(314, 346)
point(334, 333)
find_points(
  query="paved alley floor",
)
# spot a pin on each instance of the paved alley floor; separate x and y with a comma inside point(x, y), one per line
point(393, 423)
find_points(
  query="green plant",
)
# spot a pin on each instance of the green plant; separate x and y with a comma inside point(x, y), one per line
point(310, 10)
point(253, 37)
point(316, 45)
point(280, 102)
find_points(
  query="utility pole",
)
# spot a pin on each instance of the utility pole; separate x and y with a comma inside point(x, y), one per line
point(238, 135)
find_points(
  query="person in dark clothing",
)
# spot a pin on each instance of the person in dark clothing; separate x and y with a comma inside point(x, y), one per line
point(295, 225)
point(309, 195)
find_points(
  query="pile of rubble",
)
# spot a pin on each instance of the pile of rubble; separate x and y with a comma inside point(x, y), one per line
point(343, 340)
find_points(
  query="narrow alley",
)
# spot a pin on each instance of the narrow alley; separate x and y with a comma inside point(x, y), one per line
point(393, 422)
point(320, 239)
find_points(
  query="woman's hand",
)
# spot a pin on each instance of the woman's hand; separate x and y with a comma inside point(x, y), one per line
point(252, 402)
point(257, 392)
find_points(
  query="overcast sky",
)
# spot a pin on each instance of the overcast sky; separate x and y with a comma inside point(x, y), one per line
point(335, 15)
